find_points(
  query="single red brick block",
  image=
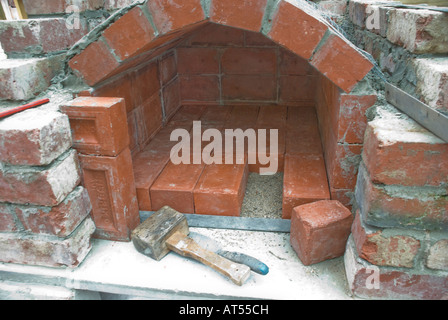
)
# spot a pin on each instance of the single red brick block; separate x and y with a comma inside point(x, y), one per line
point(199, 88)
point(319, 230)
point(249, 61)
point(340, 62)
point(296, 88)
point(94, 63)
point(7, 218)
point(42, 186)
point(151, 119)
point(302, 131)
point(297, 30)
point(273, 153)
point(111, 187)
point(378, 249)
point(97, 125)
point(61, 220)
point(305, 181)
point(175, 185)
point(242, 117)
point(129, 34)
point(220, 189)
point(147, 167)
point(235, 13)
point(249, 87)
point(198, 61)
point(171, 15)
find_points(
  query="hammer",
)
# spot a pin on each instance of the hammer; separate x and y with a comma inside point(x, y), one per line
point(167, 230)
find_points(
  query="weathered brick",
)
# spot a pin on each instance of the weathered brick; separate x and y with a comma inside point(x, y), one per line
point(438, 256)
point(111, 187)
point(45, 186)
point(38, 71)
point(97, 125)
point(319, 230)
point(401, 206)
point(43, 7)
point(393, 250)
point(48, 251)
point(8, 219)
point(371, 282)
point(34, 137)
point(60, 220)
point(419, 31)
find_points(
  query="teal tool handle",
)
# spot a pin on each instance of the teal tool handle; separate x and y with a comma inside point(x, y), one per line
point(253, 263)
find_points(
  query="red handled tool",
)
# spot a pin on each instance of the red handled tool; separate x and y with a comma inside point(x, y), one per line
point(24, 107)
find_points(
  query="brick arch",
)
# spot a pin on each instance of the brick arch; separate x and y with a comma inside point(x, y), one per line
point(151, 27)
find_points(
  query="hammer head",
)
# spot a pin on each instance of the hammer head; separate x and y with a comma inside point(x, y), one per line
point(150, 236)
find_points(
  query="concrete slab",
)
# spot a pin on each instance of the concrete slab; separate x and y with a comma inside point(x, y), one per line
point(117, 270)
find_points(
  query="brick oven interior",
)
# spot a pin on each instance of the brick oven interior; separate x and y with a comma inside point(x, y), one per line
point(360, 185)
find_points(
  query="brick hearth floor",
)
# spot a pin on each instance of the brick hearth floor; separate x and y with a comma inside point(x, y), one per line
point(218, 189)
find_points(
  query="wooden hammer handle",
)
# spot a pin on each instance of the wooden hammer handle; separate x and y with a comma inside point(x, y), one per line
point(187, 247)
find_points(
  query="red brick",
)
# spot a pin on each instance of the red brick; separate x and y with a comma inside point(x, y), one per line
point(399, 206)
point(145, 83)
point(111, 187)
point(129, 34)
point(119, 88)
point(43, 186)
point(343, 163)
point(171, 15)
point(134, 120)
point(199, 88)
point(45, 137)
point(97, 125)
point(7, 218)
point(305, 181)
point(344, 196)
point(171, 98)
point(168, 67)
point(438, 255)
point(319, 230)
point(296, 88)
point(48, 251)
point(292, 64)
point(302, 135)
point(411, 162)
point(249, 61)
point(275, 156)
point(220, 189)
point(198, 61)
point(217, 36)
point(249, 87)
point(61, 220)
point(147, 167)
point(243, 117)
point(272, 116)
point(393, 284)
point(340, 62)
point(352, 117)
point(378, 249)
point(240, 14)
point(296, 30)
point(174, 187)
point(94, 63)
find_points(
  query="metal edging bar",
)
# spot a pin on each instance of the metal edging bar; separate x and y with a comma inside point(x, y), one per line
point(233, 223)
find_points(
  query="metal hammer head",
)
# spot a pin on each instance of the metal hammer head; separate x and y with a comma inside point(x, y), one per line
point(149, 238)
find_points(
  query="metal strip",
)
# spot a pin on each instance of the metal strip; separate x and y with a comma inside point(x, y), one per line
point(234, 223)
point(431, 119)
